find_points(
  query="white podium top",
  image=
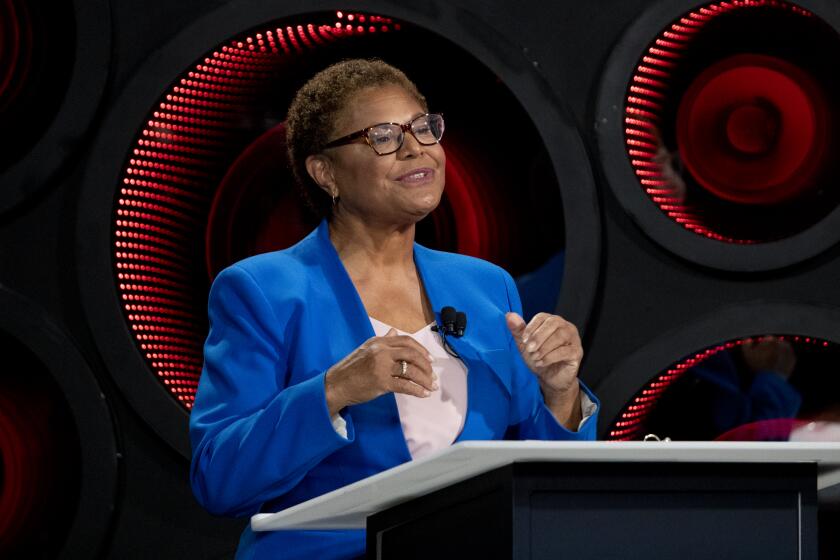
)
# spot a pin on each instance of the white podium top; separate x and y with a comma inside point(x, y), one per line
point(348, 507)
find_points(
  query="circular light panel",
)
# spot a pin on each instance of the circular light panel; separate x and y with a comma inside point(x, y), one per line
point(633, 420)
point(716, 126)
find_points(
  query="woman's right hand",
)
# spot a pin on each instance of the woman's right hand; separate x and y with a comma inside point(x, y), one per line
point(375, 368)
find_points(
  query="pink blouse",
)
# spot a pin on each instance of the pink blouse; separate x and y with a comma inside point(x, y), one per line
point(432, 423)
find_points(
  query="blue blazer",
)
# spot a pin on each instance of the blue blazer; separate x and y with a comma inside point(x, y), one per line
point(261, 435)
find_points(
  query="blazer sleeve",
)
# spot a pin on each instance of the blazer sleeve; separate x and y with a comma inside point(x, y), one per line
point(530, 417)
point(252, 437)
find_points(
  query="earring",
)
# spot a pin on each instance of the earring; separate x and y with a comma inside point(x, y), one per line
point(335, 198)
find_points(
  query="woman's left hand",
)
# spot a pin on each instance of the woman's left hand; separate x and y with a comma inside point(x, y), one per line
point(551, 348)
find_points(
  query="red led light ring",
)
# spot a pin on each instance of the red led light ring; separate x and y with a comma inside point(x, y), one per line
point(478, 227)
point(649, 86)
point(630, 424)
point(167, 187)
point(256, 165)
point(775, 135)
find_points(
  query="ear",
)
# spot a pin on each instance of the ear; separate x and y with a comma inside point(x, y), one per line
point(320, 169)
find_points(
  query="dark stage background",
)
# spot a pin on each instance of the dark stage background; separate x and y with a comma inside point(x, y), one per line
point(662, 173)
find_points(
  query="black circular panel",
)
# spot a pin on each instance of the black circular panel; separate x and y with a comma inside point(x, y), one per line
point(717, 126)
point(753, 366)
point(58, 457)
point(53, 68)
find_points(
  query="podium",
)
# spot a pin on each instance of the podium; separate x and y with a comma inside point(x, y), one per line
point(535, 500)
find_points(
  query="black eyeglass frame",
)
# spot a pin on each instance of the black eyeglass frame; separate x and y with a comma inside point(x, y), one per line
point(406, 127)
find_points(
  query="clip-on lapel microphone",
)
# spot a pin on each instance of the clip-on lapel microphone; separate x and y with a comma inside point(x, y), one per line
point(454, 324)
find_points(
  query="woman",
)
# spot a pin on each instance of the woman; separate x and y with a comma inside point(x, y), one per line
point(311, 380)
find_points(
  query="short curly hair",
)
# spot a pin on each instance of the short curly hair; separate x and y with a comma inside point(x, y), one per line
point(316, 105)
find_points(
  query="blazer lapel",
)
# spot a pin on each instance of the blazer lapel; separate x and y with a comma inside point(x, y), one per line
point(347, 298)
point(486, 380)
point(436, 279)
point(377, 422)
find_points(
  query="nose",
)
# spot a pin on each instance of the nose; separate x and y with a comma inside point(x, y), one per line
point(410, 148)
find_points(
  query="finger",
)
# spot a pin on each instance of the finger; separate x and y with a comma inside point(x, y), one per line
point(418, 369)
point(403, 341)
point(572, 355)
point(407, 387)
point(415, 375)
point(566, 334)
point(540, 329)
point(392, 332)
point(555, 333)
point(553, 344)
point(516, 325)
point(535, 322)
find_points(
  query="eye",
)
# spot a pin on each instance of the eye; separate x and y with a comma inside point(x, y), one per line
point(381, 136)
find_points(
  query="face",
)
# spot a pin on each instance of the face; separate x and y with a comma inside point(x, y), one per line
point(399, 188)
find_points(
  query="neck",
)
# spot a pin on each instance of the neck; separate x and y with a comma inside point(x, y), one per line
point(365, 244)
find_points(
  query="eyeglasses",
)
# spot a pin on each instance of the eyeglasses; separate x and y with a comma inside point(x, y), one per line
point(387, 138)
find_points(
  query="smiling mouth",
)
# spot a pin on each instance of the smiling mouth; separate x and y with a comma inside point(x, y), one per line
point(417, 176)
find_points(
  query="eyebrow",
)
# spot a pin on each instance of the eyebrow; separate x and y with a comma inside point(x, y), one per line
point(416, 115)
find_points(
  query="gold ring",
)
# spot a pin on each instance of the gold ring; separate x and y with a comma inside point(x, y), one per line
point(403, 368)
